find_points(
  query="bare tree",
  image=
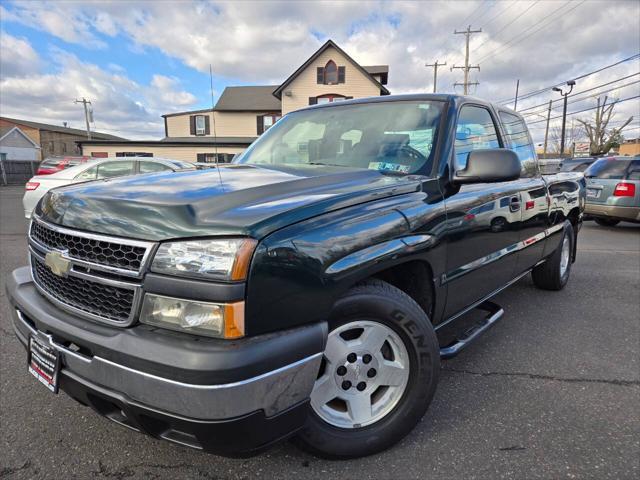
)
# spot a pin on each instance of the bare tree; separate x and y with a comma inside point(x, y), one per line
point(573, 134)
point(602, 138)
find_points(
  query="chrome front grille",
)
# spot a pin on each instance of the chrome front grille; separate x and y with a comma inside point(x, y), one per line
point(111, 254)
point(103, 282)
point(98, 300)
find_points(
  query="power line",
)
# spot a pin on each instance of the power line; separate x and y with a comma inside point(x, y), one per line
point(545, 89)
point(578, 100)
point(504, 10)
point(578, 93)
point(520, 38)
point(473, 12)
point(584, 110)
point(506, 26)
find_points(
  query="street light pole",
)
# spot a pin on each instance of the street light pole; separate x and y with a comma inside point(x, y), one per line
point(570, 83)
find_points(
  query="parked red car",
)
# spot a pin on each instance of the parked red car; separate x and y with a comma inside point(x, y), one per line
point(55, 164)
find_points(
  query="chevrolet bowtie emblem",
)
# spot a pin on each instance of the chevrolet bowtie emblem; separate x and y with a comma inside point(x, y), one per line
point(58, 265)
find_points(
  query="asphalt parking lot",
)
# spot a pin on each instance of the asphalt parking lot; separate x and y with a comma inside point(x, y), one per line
point(552, 391)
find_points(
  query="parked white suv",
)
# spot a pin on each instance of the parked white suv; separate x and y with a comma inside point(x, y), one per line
point(96, 170)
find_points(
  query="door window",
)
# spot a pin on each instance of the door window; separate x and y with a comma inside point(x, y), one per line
point(114, 169)
point(475, 131)
point(150, 167)
point(520, 142)
point(88, 174)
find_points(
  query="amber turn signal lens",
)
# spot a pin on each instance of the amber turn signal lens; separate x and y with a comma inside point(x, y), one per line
point(243, 259)
point(234, 320)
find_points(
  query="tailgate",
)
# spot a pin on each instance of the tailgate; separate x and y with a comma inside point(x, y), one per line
point(599, 190)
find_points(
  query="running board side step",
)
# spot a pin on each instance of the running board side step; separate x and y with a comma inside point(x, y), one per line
point(494, 313)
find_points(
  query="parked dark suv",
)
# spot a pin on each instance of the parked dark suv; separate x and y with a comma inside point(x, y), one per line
point(310, 288)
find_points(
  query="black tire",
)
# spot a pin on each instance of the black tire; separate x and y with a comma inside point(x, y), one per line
point(379, 301)
point(606, 222)
point(548, 276)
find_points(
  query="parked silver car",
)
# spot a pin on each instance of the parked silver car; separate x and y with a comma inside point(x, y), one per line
point(613, 190)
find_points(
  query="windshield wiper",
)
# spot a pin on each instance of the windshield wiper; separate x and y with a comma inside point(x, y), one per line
point(329, 164)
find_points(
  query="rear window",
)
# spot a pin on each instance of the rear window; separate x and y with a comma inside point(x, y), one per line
point(608, 168)
point(51, 162)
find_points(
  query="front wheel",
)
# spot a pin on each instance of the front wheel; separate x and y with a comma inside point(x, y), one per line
point(378, 375)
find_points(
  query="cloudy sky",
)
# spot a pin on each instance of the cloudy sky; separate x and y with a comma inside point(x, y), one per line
point(138, 60)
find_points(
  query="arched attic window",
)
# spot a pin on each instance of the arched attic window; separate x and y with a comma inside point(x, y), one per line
point(331, 74)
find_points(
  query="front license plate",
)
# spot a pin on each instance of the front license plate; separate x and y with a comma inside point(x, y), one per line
point(44, 362)
point(593, 192)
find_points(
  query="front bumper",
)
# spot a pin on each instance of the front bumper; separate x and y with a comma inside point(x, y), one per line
point(226, 397)
point(631, 214)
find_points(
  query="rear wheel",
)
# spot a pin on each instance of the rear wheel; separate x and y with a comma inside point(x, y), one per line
point(378, 375)
point(554, 273)
point(606, 222)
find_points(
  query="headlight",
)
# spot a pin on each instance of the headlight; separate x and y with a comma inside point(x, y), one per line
point(224, 259)
point(199, 318)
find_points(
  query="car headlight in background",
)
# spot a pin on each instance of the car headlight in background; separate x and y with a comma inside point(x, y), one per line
point(222, 259)
point(199, 318)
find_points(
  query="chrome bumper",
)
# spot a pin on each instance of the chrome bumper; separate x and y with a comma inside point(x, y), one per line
point(271, 392)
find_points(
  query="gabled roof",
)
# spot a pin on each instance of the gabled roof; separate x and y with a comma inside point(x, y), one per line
point(329, 43)
point(382, 70)
point(254, 98)
point(258, 98)
point(61, 129)
point(6, 131)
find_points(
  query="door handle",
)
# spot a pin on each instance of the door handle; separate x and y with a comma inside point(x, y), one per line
point(514, 204)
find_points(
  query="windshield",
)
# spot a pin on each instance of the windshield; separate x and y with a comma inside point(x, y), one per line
point(389, 137)
point(608, 168)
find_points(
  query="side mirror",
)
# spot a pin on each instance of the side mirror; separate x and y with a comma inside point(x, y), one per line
point(490, 165)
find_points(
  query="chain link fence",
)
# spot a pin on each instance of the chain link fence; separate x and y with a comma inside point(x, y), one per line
point(17, 172)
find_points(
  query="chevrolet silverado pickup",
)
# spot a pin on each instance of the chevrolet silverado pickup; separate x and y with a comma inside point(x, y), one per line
point(309, 290)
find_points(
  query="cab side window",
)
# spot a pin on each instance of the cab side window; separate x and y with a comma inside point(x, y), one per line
point(476, 130)
point(115, 169)
point(519, 140)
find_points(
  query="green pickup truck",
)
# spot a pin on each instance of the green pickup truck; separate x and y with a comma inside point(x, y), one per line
point(309, 290)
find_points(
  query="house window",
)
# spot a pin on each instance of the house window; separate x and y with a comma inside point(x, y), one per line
point(328, 98)
point(199, 125)
point(331, 74)
point(215, 157)
point(134, 154)
point(265, 122)
point(100, 154)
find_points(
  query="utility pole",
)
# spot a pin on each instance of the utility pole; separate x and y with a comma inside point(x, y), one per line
point(546, 132)
point(515, 104)
point(570, 83)
point(435, 72)
point(467, 33)
point(84, 103)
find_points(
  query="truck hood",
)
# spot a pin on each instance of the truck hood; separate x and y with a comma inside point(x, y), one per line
point(229, 200)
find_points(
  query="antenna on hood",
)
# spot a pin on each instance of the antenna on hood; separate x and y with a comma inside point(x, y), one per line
point(213, 122)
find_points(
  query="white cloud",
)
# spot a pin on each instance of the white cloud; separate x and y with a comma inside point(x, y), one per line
point(18, 58)
point(166, 88)
point(121, 106)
